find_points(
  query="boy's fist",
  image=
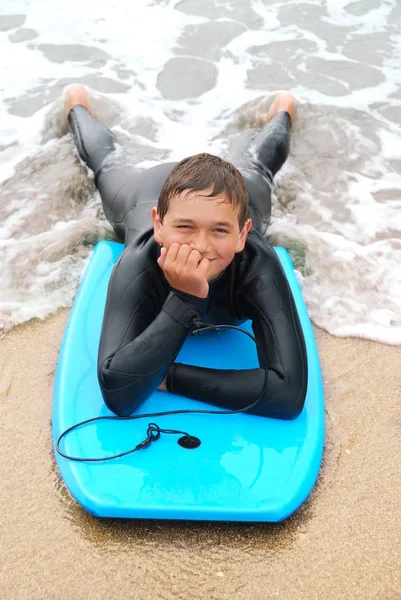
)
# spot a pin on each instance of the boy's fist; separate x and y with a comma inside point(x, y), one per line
point(185, 269)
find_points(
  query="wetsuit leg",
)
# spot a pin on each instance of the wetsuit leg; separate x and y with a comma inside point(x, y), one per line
point(269, 152)
point(127, 196)
point(92, 139)
point(133, 203)
point(95, 143)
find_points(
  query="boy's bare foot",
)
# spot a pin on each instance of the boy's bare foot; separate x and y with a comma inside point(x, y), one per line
point(74, 94)
point(283, 101)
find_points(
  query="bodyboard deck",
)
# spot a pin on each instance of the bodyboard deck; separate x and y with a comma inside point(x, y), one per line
point(247, 468)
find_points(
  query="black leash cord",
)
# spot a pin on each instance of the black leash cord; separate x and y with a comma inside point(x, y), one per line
point(154, 431)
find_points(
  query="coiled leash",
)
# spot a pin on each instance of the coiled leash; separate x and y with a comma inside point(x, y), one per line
point(154, 431)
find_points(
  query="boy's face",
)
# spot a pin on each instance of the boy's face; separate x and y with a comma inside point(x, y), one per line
point(209, 225)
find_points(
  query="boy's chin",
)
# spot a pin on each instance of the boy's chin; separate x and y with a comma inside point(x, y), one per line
point(214, 275)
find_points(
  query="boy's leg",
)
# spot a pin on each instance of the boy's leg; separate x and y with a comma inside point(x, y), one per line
point(269, 152)
point(121, 189)
point(94, 143)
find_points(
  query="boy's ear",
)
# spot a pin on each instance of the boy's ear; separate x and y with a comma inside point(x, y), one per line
point(242, 235)
point(157, 226)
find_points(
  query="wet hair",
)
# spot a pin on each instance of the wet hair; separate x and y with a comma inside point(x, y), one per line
point(204, 171)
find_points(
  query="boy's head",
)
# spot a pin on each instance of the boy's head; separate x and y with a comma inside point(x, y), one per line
point(204, 203)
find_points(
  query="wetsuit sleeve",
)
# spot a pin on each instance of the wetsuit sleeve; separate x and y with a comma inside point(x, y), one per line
point(141, 335)
point(268, 301)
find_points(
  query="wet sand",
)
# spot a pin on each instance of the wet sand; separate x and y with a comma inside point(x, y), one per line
point(343, 543)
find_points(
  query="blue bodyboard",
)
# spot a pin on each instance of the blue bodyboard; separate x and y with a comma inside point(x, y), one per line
point(247, 468)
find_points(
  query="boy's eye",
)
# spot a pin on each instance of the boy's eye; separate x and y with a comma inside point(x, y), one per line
point(217, 230)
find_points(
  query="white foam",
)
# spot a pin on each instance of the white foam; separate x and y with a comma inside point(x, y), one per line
point(370, 21)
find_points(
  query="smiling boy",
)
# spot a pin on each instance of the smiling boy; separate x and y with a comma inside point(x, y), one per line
point(200, 254)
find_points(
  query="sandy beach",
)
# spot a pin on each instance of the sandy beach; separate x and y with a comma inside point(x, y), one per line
point(172, 78)
point(342, 543)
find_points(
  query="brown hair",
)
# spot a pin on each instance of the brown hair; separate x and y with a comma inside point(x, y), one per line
point(201, 171)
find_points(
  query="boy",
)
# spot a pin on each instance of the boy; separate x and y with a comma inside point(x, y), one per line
point(205, 258)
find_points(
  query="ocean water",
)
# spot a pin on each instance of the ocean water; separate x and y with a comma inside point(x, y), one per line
point(172, 78)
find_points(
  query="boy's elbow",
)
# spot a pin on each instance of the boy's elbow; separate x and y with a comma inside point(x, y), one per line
point(283, 410)
point(287, 403)
point(121, 402)
point(294, 395)
point(293, 391)
point(122, 394)
point(116, 405)
point(291, 411)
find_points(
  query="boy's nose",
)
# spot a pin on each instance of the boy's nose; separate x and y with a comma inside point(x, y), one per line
point(201, 243)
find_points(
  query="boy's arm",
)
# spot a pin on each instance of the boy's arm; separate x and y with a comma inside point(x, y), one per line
point(141, 335)
point(268, 301)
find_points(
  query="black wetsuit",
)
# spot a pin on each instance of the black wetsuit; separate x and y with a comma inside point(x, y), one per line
point(146, 322)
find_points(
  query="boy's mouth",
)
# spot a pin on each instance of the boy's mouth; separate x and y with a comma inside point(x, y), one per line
point(209, 259)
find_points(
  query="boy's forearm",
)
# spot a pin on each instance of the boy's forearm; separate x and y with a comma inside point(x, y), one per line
point(235, 389)
point(130, 375)
point(228, 389)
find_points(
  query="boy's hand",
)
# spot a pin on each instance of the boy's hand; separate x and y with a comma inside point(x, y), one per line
point(185, 269)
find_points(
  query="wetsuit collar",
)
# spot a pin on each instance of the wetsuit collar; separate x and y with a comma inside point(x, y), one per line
point(218, 277)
